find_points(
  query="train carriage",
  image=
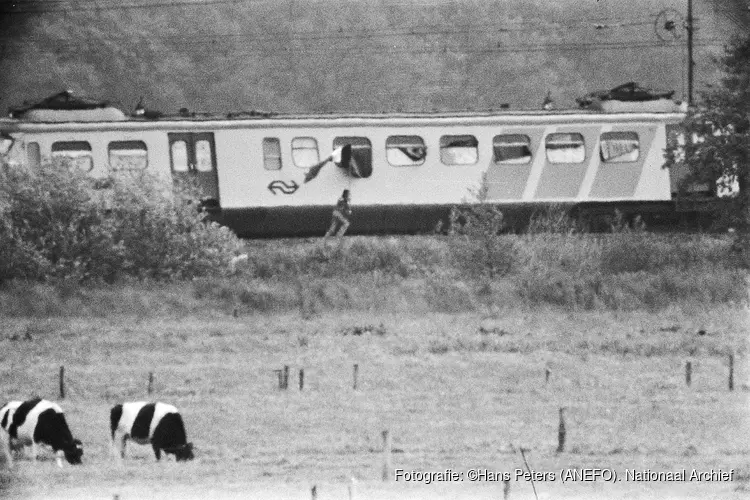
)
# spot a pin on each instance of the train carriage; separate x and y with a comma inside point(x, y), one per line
point(408, 169)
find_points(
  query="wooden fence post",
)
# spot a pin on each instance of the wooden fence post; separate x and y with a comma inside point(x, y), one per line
point(506, 489)
point(352, 489)
point(547, 372)
point(150, 382)
point(62, 382)
point(387, 468)
point(561, 433)
point(688, 373)
point(280, 374)
point(314, 492)
point(286, 377)
point(731, 371)
point(356, 372)
point(301, 378)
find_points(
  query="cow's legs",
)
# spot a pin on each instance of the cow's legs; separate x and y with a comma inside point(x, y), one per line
point(60, 454)
point(7, 449)
point(34, 451)
point(157, 451)
point(123, 440)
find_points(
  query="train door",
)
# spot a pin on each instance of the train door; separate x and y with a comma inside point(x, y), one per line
point(192, 157)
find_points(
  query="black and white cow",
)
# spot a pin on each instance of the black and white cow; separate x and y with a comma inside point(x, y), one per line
point(38, 421)
point(157, 423)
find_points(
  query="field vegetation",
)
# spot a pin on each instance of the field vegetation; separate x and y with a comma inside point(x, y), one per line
point(452, 333)
point(456, 390)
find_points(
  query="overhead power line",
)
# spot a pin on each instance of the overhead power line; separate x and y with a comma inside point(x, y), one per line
point(414, 31)
point(278, 51)
point(54, 6)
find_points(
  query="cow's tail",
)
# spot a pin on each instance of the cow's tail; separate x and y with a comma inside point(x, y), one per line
point(114, 419)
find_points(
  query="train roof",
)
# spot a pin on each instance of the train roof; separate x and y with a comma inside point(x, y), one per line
point(101, 118)
point(66, 108)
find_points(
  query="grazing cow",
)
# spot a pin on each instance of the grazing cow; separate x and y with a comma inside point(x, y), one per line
point(157, 423)
point(38, 421)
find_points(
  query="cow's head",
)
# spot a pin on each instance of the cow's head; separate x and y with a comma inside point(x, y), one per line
point(74, 452)
point(183, 452)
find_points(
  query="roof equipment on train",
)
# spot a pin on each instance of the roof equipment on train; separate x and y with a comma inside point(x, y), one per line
point(66, 107)
point(631, 97)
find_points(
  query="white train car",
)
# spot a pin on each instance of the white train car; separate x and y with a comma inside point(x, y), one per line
point(410, 168)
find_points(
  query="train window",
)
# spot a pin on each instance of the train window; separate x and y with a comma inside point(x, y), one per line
point(565, 147)
point(203, 159)
point(305, 152)
point(459, 149)
point(76, 154)
point(6, 143)
point(180, 156)
point(34, 155)
point(361, 162)
point(511, 149)
point(271, 153)
point(405, 150)
point(619, 147)
point(128, 155)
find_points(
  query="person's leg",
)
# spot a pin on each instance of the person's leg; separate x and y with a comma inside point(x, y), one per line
point(344, 226)
point(332, 229)
point(335, 221)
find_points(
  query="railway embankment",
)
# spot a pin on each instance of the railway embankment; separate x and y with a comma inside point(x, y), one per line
point(68, 249)
point(444, 274)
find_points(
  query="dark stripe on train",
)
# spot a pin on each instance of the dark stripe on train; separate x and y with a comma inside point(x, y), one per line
point(19, 417)
point(142, 422)
point(419, 219)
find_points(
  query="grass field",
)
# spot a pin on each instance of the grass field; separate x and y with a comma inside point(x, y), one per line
point(453, 335)
point(457, 391)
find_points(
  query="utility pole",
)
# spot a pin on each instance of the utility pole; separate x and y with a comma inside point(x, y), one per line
point(689, 29)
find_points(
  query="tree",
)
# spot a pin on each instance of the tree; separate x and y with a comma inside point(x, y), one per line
point(716, 145)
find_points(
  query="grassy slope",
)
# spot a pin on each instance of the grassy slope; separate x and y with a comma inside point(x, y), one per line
point(452, 397)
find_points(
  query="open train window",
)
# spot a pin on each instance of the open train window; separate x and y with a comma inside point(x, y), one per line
point(73, 154)
point(271, 153)
point(305, 152)
point(459, 149)
point(128, 155)
point(34, 155)
point(565, 147)
point(361, 162)
point(511, 149)
point(405, 150)
point(619, 147)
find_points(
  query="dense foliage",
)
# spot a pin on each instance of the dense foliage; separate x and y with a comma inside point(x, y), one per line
point(57, 223)
point(714, 146)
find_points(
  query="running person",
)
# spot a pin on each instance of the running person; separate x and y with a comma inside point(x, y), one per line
point(340, 216)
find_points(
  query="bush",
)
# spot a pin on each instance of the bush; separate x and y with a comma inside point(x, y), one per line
point(478, 246)
point(556, 287)
point(382, 255)
point(553, 219)
point(58, 223)
point(448, 296)
point(629, 253)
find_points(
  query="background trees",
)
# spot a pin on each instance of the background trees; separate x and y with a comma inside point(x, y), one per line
point(715, 143)
point(347, 55)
